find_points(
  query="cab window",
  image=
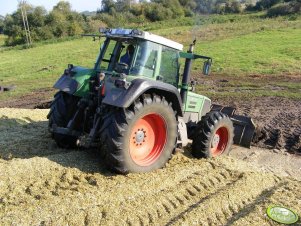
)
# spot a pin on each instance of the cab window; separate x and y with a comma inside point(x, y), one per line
point(108, 56)
point(145, 61)
point(169, 66)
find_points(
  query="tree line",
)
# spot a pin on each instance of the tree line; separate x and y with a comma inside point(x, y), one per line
point(62, 21)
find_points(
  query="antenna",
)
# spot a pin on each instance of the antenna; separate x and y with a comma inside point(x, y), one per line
point(22, 4)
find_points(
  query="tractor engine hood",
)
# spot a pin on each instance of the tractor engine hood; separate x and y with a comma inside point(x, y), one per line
point(75, 80)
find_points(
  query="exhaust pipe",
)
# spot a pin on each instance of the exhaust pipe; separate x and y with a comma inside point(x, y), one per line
point(186, 74)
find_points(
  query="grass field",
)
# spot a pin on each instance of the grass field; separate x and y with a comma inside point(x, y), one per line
point(241, 46)
point(39, 67)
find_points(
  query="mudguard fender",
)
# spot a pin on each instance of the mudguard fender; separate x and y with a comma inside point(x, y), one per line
point(123, 98)
point(66, 84)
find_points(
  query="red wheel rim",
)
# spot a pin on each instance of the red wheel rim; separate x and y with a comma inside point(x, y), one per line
point(147, 140)
point(219, 142)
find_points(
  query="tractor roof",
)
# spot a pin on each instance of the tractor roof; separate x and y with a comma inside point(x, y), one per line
point(133, 33)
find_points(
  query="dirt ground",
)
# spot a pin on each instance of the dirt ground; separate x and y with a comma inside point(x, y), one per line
point(277, 120)
point(41, 184)
point(37, 99)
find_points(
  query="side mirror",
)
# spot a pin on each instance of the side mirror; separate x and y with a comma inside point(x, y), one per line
point(207, 67)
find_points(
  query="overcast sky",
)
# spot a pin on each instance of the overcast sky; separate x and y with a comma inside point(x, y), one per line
point(9, 6)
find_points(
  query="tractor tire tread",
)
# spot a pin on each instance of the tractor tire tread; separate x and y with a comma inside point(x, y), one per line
point(113, 135)
point(62, 109)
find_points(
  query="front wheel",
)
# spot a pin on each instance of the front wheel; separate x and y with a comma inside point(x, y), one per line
point(142, 137)
point(213, 136)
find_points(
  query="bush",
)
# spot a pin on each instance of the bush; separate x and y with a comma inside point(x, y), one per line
point(188, 12)
point(249, 7)
point(266, 4)
point(137, 9)
point(156, 12)
point(41, 33)
point(284, 9)
point(232, 7)
point(74, 29)
point(94, 25)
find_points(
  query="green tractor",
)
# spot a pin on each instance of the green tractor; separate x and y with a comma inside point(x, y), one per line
point(133, 107)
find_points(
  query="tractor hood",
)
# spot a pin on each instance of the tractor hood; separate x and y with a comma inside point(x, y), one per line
point(75, 80)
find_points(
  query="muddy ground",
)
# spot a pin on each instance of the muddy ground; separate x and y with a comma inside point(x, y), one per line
point(40, 99)
point(41, 184)
point(277, 120)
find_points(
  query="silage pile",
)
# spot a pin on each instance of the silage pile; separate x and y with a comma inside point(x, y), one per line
point(42, 184)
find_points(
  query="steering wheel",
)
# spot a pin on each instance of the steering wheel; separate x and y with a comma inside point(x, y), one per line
point(121, 67)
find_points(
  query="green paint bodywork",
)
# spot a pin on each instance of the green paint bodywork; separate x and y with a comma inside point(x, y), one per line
point(82, 76)
point(194, 101)
point(195, 104)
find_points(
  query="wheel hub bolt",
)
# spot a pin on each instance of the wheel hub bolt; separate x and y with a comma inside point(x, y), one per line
point(139, 138)
point(215, 141)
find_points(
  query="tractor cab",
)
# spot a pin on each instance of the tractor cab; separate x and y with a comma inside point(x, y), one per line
point(147, 55)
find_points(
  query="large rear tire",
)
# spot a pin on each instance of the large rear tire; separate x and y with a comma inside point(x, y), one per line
point(62, 109)
point(213, 136)
point(140, 138)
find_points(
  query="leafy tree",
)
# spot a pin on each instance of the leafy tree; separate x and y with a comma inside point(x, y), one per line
point(60, 22)
point(189, 4)
point(36, 18)
point(63, 7)
point(13, 28)
point(266, 4)
point(107, 6)
point(291, 7)
point(173, 5)
point(206, 6)
point(1, 24)
point(232, 6)
point(123, 5)
point(156, 12)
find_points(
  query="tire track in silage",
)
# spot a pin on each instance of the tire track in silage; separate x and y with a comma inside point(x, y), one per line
point(229, 204)
point(162, 206)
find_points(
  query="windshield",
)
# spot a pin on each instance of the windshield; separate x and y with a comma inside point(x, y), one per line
point(146, 58)
point(115, 52)
point(138, 57)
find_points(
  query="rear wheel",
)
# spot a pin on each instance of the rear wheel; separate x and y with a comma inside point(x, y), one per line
point(213, 136)
point(142, 137)
point(61, 112)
